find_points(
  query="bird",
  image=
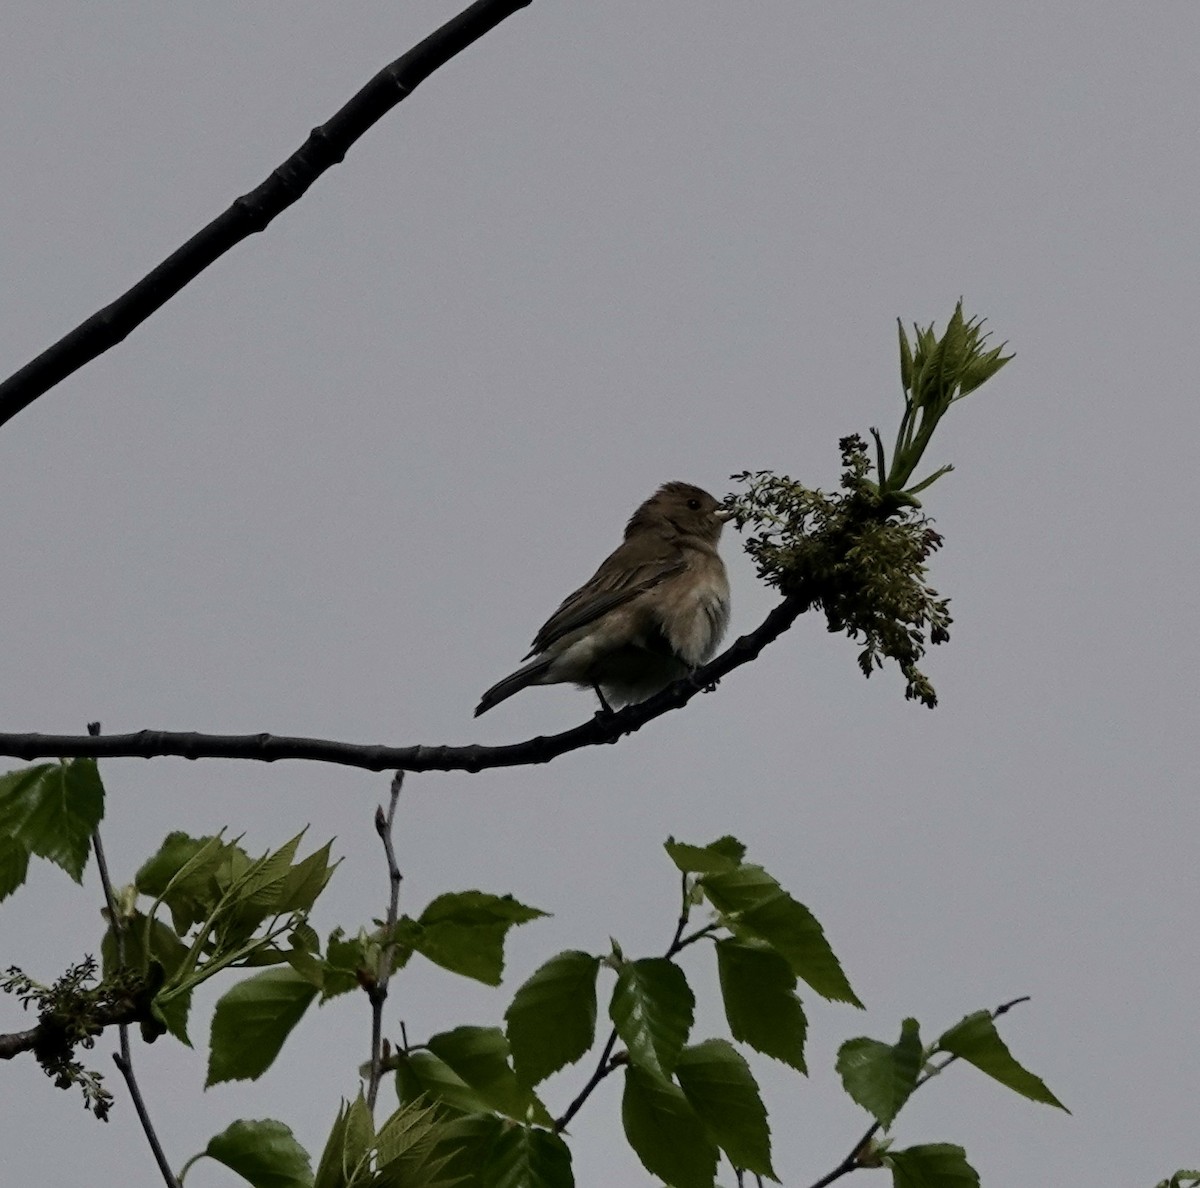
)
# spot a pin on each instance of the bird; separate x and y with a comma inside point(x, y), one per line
point(655, 609)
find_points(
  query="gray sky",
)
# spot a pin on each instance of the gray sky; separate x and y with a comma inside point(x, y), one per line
point(335, 486)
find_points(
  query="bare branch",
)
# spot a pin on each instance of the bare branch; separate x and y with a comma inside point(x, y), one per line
point(378, 993)
point(268, 748)
point(325, 147)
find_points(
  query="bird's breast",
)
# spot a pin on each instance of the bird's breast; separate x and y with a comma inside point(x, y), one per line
point(694, 613)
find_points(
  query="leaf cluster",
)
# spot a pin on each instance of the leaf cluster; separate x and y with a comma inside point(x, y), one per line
point(684, 1102)
point(859, 559)
point(860, 553)
point(72, 1011)
point(225, 909)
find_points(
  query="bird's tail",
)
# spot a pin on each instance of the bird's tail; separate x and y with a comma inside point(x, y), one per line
point(527, 674)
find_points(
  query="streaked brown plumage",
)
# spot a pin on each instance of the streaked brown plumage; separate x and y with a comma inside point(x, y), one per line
point(654, 610)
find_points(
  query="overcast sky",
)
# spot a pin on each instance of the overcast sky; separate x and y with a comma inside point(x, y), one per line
point(335, 486)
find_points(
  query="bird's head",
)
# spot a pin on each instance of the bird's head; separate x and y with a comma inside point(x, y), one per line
point(681, 508)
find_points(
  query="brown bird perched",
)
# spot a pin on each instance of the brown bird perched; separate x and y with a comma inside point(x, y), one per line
point(655, 610)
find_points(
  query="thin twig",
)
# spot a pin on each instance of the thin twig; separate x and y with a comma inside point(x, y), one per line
point(121, 1060)
point(325, 147)
point(853, 1161)
point(601, 729)
point(379, 990)
point(124, 1058)
point(607, 1062)
point(603, 1067)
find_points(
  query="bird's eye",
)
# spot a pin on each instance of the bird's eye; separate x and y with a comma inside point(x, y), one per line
point(694, 504)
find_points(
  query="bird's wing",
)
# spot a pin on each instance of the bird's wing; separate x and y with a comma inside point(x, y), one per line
point(615, 583)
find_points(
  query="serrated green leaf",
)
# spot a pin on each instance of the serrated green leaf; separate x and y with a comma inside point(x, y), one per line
point(463, 1145)
point(721, 1089)
point(173, 1014)
point(881, 1077)
point(664, 1131)
point(479, 1057)
point(552, 1019)
point(264, 1153)
point(305, 881)
point(759, 991)
point(14, 865)
point(329, 1170)
point(652, 1009)
point(182, 874)
point(422, 1076)
point(407, 1154)
point(51, 810)
point(464, 932)
point(251, 1022)
point(933, 1165)
point(757, 906)
point(144, 940)
point(404, 1129)
point(977, 1041)
point(360, 1138)
point(345, 958)
point(308, 965)
point(252, 893)
point(527, 1157)
point(723, 854)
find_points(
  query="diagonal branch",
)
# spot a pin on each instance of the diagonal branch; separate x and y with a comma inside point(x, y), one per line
point(325, 147)
point(603, 728)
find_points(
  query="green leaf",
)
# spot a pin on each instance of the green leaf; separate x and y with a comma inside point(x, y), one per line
point(305, 881)
point(665, 1132)
point(1183, 1178)
point(330, 1171)
point(422, 1076)
point(407, 1154)
point(652, 1009)
point(345, 958)
point(720, 1087)
point(464, 932)
point(145, 941)
point(251, 1022)
point(51, 810)
point(906, 359)
point(527, 1157)
point(552, 1019)
point(933, 1165)
point(479, 1057)
point(360, 1136)
point(462, 1146)
point(254, 893)
point(723, 854)
point(264, 1153)
point(977, 1041)
point(757, 906)
point(14, 865)
point(173, 1014)
point(761, 1005)
point(183, 875)
point(881, 1077)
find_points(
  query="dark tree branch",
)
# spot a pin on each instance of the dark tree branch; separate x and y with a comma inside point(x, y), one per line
point(603, 728)
point(124, 1058)
point(325, 147)
point(49, 1032)
point(604, 1066)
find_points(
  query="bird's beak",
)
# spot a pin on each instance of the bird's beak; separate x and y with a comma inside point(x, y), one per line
point(724, 514)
